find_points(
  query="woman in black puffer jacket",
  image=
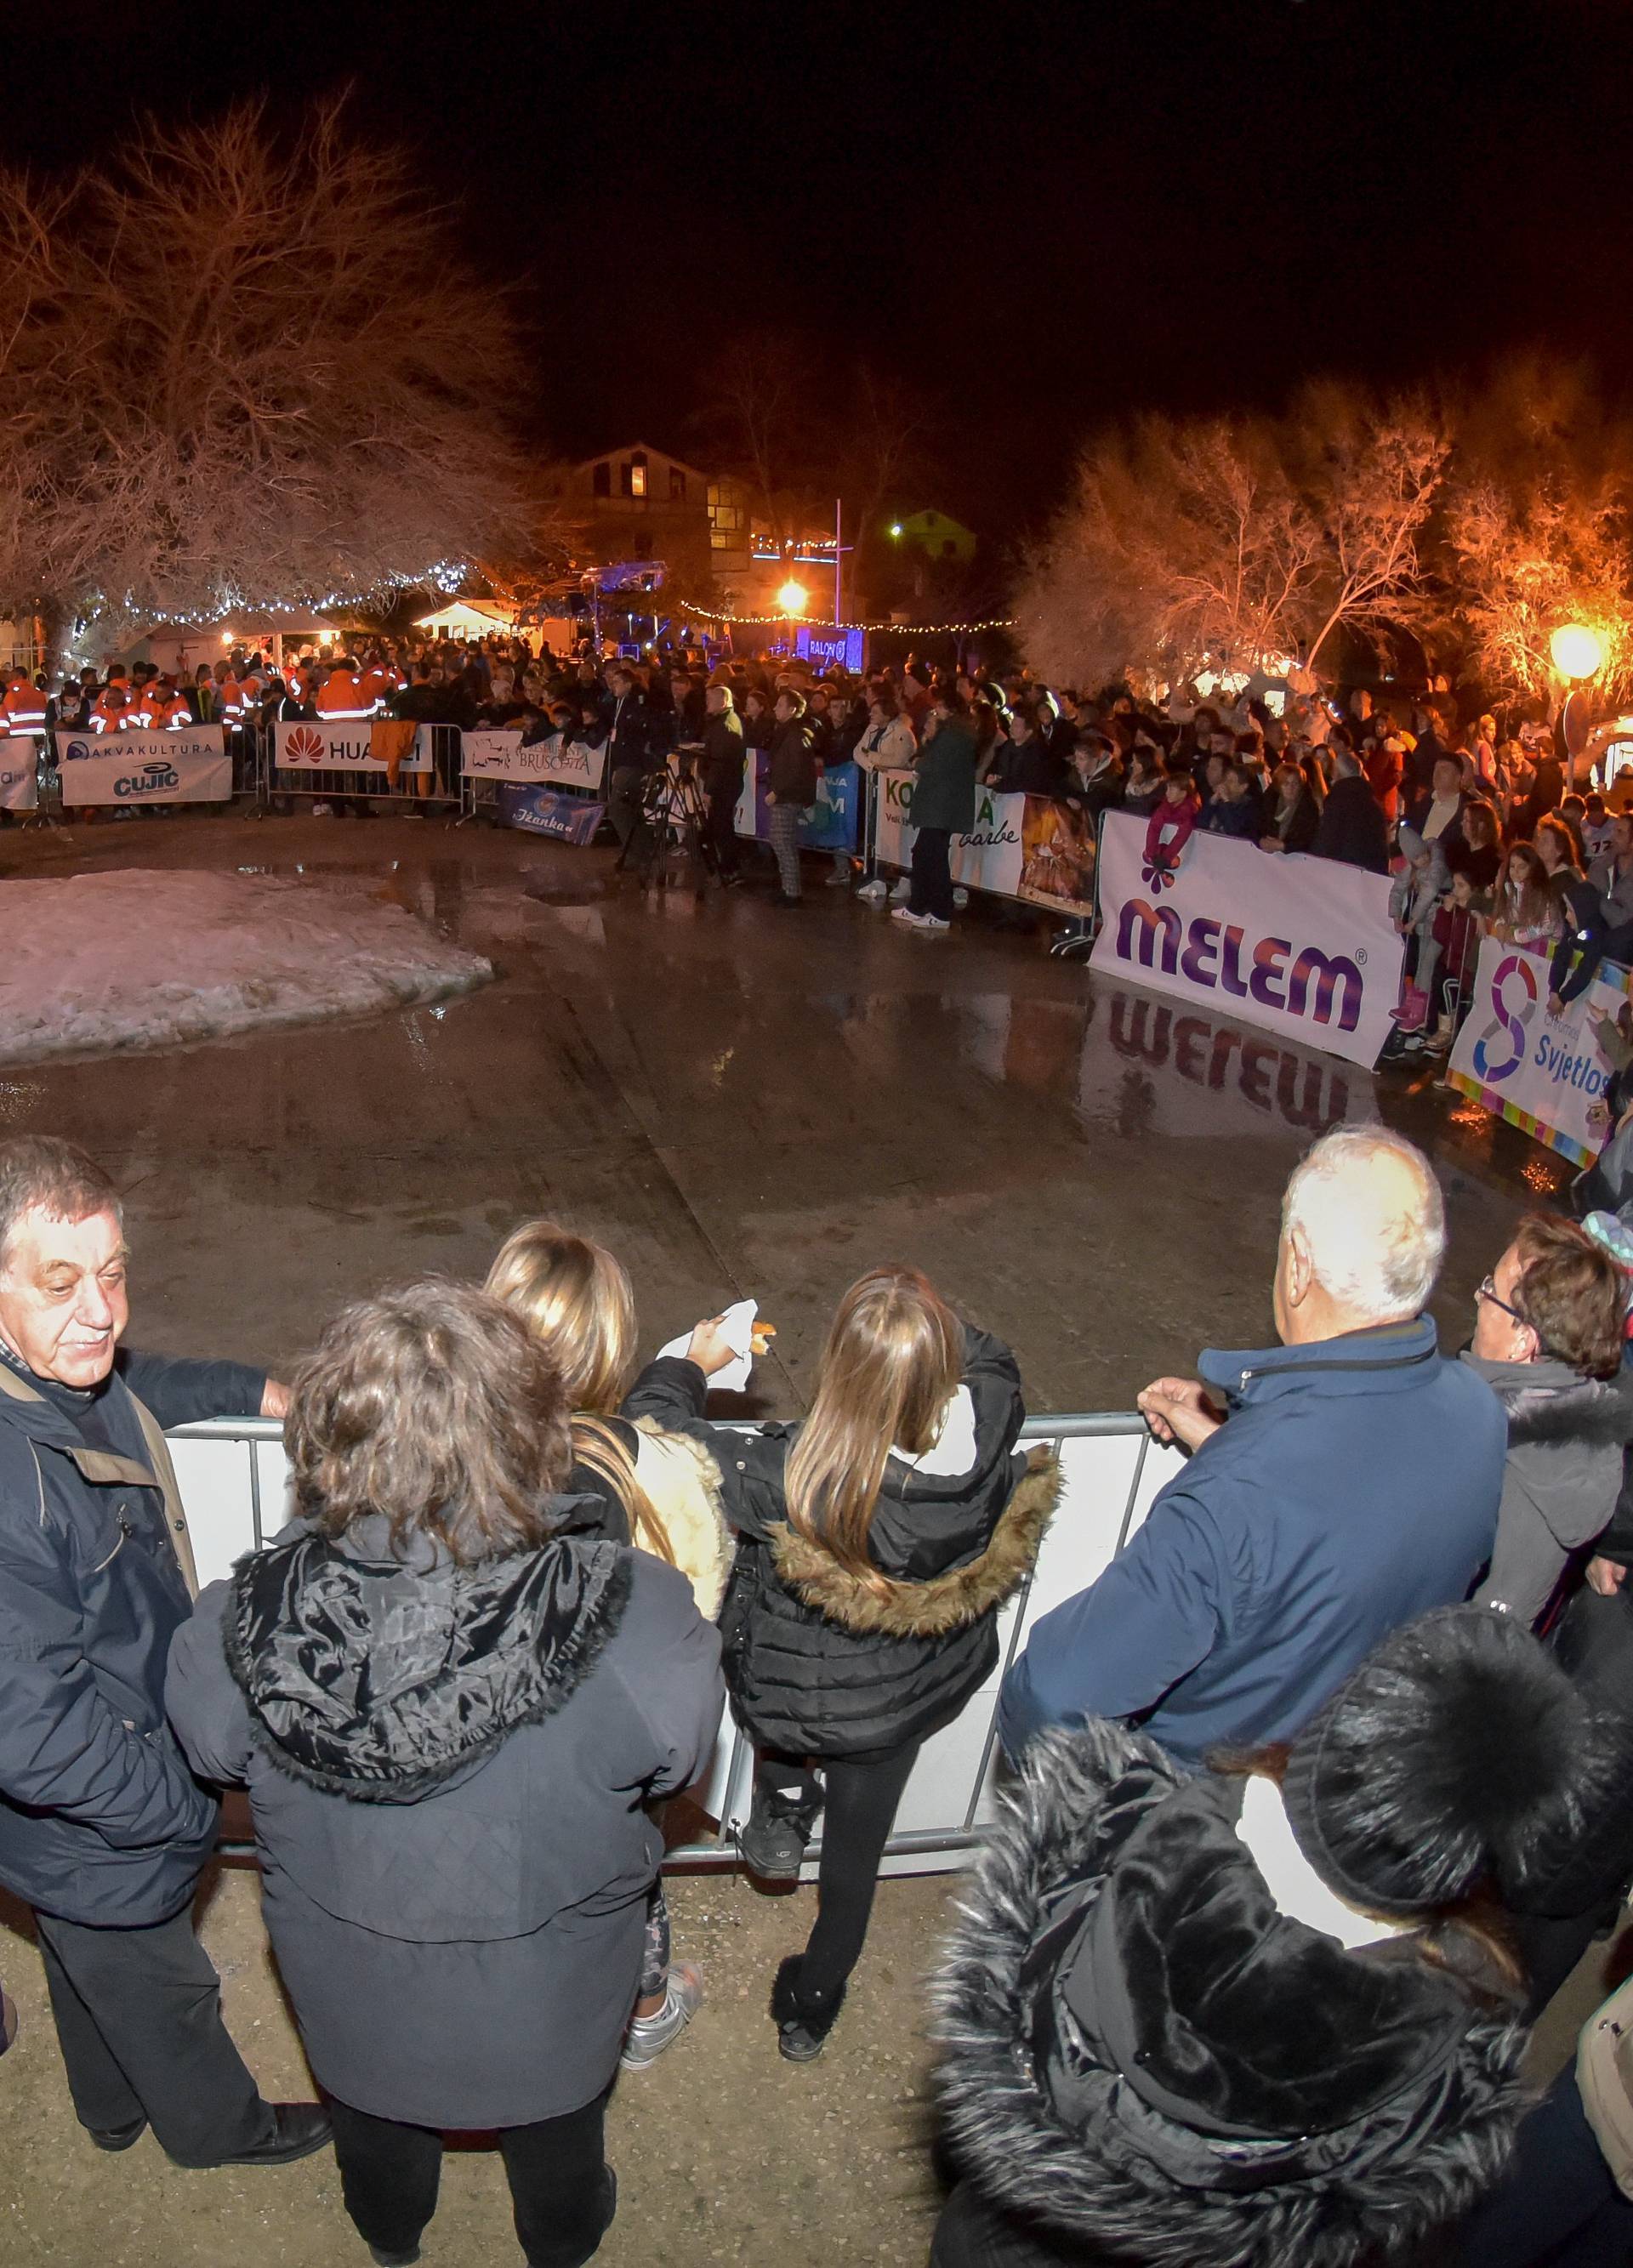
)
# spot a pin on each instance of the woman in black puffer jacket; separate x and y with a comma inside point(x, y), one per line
point(875, 1544)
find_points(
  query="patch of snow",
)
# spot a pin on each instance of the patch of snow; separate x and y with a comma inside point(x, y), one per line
point(134, 959)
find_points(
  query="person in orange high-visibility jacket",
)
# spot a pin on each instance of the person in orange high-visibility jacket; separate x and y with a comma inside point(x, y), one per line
point(168, 706)
point(24, 708)
point(341, 694)
point(229, 697)
point(108, 711)
point(141, 712)
point(374, 688)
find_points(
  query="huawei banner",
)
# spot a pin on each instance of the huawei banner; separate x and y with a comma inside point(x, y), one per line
point(1303, 947)
point(347, 744)
point(1541, 1072)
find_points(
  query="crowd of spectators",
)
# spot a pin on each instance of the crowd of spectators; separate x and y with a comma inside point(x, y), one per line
point(1303, 1824)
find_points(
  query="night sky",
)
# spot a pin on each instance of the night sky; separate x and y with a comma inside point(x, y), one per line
point(1041, 217)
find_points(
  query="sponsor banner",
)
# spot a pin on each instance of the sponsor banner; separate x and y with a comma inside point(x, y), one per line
point(1303, 947)
point(1542, 1073)
point(838, 648)
point(501, 755)
point(189, 766)
point(990, 858)
point(19, 753)
point(351, 744)
point(835, 816)
point(1057, 857)
point(549, 811)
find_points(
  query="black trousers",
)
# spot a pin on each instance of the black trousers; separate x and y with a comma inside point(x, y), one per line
point(723, 785)
point(138, 2017)
point(1557, 2203)
point(858, 1811)
point(931, 891)
point(560, 2186)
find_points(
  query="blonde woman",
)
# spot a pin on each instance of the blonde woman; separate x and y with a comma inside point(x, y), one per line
point(877, 1541)
point(658, 1492)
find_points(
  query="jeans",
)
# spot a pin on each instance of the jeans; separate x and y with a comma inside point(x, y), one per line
point(560, 2186)
point(139, 2018)
point(931, 879)
point(858, 1809)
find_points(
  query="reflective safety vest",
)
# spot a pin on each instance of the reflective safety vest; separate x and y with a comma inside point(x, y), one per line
point(230, 700)
point(24, 707)
point(108, 711)
point(342, 695)
point(173, 714)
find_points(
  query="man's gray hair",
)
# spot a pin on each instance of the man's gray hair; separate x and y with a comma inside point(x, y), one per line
point(1373, 1219)
point(41, 1173)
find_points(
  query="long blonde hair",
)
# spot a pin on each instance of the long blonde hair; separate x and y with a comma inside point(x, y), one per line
point(575, 1296)
point(895, 1354)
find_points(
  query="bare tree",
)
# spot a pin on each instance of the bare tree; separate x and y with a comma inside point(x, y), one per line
point(759, 412)
point(242, 373)
point(1536, 522)
point(1233, 540)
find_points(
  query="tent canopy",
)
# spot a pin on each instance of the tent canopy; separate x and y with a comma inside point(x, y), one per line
point(470, 618)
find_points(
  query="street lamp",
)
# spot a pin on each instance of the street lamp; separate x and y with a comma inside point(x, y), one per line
point(1579, 652)
point(792, 599)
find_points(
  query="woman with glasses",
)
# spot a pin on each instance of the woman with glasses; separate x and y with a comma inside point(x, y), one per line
point(1548, 1334)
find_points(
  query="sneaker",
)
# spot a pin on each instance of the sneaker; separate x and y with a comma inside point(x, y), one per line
point(902, 892)
point(933, 921)
point(873, 893)
point(647, 2036)
point(322, 811)
point(773, 1841)
point(837, 881)
point(802, 2026)
point(906, 914)
point(961, 898)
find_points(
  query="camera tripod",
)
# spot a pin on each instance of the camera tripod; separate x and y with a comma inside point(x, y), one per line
point(674, 814)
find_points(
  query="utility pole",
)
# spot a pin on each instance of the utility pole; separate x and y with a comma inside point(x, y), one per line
point(839, 561)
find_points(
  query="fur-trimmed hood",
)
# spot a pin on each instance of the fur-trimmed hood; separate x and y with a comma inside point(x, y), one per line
point(883, 1606)
point(1547, 1401)
point(683, 1484)
point(1145, 2055)
point(376, 1680)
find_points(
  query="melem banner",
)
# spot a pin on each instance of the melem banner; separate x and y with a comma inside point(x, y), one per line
point(1303, 947)
point(20, 754)
point(189, 766)
point(556, 761)
point(349, 744)
point(1542, 1073)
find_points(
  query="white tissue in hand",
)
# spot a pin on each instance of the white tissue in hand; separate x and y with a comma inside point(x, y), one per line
point(737, 1324)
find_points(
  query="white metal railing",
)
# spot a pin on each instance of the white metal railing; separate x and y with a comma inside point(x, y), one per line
point(235, 1479)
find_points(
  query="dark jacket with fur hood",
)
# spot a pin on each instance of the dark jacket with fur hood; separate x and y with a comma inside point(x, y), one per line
point(1566, 1439)
point(447, 1768)
point(1146, 2058)
point(822, 1662)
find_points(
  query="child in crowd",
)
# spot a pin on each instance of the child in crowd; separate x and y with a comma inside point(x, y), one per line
point(1170, 824)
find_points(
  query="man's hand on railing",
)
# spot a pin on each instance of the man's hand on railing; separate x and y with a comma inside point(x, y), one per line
point(1178, 1409)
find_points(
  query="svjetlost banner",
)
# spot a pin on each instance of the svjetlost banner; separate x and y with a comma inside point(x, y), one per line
point(1303, 947)
point(1543, 1074)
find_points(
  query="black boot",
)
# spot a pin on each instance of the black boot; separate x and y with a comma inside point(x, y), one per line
point(802, 2024)
point(772, 1839)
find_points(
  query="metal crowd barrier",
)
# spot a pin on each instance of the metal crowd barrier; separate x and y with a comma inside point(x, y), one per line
point(441, 787)
point(235, 1479)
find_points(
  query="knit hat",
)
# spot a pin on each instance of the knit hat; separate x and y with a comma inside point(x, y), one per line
point(1460, 1755)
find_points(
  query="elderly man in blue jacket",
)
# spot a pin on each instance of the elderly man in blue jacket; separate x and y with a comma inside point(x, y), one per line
point(1338, 1485)
point(103, 1829)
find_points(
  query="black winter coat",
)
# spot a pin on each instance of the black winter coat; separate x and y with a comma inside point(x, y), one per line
point(794, 771)
point(1353, 828)
point(1150, 2062)
point(101, 1820)
point(819, 1662)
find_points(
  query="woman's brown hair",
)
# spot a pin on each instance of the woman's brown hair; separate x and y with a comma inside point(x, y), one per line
point(576, 1299)
point(1572, 1294)
point(435, 1407)
point(895, 1354)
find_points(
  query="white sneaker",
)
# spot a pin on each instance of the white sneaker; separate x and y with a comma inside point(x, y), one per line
point(933, 921)
point(647, 2036)
point(902, 892)
point(961, 899)
point(322, 811)
point(873, 893)
point(906, 914)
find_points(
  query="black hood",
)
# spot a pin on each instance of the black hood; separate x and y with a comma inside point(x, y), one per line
point(375, 1680)
point(1144, 2055)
